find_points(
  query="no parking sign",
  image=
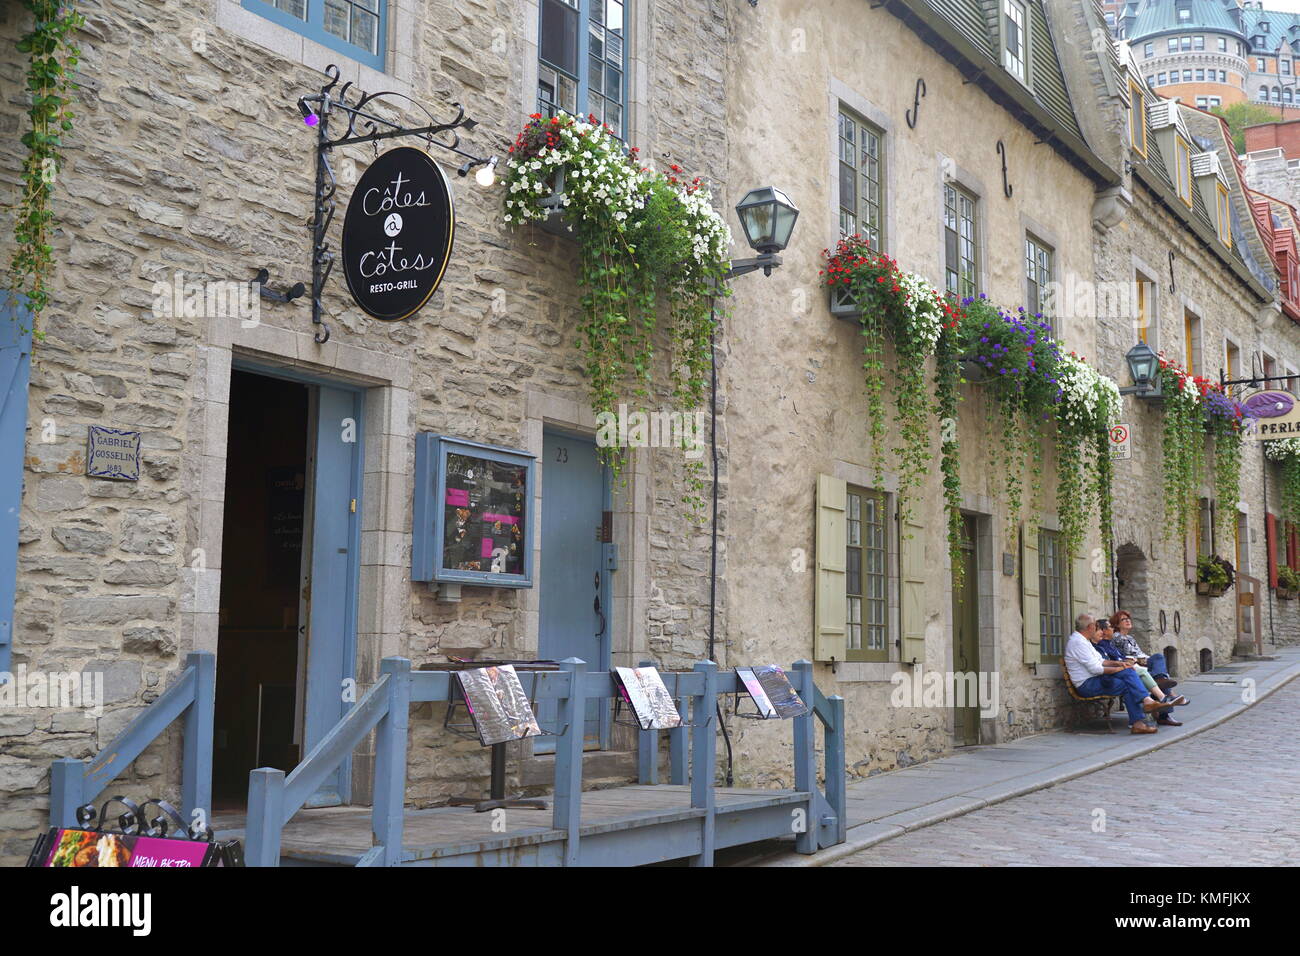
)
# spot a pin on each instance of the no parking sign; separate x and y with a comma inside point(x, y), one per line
point(1121, 443)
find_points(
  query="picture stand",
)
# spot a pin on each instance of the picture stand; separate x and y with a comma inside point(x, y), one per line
point(471, 729)
point(773, 695)
point(647, 699)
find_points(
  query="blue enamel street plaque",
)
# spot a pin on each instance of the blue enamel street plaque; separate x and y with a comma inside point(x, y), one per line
point(113, 453)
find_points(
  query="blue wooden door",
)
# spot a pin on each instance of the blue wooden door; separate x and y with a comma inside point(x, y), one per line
point(15, 370)
point(333, 573)
point(574, 611)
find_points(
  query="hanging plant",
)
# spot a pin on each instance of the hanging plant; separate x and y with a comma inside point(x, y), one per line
point(1286, 452)
point(52, 56)
point(906, 309)
point(1182, 446)
point(1223, 418)
point(947, 376)
point(646, 240)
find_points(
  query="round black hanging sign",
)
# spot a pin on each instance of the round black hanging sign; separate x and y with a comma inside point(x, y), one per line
point(397, 234)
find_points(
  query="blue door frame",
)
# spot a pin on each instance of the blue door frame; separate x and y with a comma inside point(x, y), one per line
point(337, 451)
point(576, 568)
point(15, 372)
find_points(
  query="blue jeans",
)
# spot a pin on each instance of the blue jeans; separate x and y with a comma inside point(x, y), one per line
point(1156, 665)
point(1126, 684)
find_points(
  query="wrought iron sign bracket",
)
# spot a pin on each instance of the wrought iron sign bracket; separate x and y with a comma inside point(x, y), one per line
point(316, 111)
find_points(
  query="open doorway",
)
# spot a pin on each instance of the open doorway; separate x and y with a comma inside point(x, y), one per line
point(257, 719)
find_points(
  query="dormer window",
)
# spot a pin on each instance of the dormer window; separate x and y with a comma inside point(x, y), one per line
point(1183, 169)
point(1013, 31)
point(1224, 219)
point(1184, 10)
point(1137, 117)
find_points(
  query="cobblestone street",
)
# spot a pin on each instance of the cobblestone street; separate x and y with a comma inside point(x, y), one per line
point(1227, 797)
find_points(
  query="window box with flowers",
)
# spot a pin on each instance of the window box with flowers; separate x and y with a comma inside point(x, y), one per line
point(1214, 575)
point(1288, 584)
point(1012, 352)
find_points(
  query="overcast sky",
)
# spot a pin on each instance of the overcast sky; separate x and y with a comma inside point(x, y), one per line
point(1290, 6)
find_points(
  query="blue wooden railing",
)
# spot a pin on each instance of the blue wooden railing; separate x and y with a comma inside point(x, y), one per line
point(74, 783)
point(274, 798)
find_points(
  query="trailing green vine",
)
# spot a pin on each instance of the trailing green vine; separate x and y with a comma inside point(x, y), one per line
point(53, 56)
point(1182, 441)
point(649, 245)
point(1286, 452)
point(1223, 419)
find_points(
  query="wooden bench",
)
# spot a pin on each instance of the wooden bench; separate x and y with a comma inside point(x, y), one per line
point(1104, 703)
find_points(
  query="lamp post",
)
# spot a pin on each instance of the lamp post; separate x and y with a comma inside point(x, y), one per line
point(767, 217)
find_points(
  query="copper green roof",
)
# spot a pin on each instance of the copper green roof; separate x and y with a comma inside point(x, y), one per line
point(1161, 16)
point(1270, 27)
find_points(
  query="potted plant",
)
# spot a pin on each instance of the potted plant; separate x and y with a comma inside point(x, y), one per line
point(1213, 575)
point(1288, 584)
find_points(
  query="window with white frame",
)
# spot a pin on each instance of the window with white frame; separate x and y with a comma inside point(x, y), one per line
point(862, 182)
point(960, 241)
point(1013, 29)
point(1038, 277)
point(582, 68)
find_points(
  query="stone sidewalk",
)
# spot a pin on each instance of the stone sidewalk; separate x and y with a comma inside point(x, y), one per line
point(890, 804)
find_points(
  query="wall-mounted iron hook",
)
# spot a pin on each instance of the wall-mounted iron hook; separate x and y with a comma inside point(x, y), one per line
point(912, 114)
point(1007, 188)
point(294, 291)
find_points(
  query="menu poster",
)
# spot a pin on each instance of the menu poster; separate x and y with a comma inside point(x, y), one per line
point(88, 848)
point(756, 692)
point(780, 691)
point(483, 515)
point(498, 705)
point(645, 693)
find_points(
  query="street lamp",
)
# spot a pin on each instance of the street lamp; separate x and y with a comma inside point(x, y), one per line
point(1142, 362)
point(767, 216)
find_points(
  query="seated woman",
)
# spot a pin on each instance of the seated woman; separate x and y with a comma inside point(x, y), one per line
point(1112, 652)
point(1122, 621)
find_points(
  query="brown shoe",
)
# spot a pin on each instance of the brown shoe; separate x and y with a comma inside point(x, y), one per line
point(1142, 728)
point(1168, 721)
point(1165, 684)
point(1152, 706)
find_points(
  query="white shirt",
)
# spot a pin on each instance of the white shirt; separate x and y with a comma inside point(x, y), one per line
point(1082, 660)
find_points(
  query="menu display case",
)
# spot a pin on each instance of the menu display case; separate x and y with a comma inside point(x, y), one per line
point(473, 513)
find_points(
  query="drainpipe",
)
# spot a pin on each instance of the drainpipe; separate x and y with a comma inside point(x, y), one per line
point(713, 547)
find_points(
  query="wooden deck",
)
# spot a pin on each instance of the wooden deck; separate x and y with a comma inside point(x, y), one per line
point(631, 825)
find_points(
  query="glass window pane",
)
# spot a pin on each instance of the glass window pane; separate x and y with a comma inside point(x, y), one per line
point(365, 29)
point(558, 43)
point(595, 76)
point(297, 8)
point(613, 83)
point(336, 18)
point(596, 42)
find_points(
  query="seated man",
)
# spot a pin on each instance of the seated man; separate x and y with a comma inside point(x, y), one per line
point(1122, 621)
point(1105, 644)
point(1094, 676)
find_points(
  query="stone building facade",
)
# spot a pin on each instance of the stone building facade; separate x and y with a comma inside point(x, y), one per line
point(189, 162)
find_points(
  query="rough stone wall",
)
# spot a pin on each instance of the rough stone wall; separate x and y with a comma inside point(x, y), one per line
point(795, 376)
point(198, 162)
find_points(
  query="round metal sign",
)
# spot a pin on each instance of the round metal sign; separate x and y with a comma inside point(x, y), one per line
point(397, 234)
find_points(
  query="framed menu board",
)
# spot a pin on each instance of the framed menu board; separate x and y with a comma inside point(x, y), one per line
point(473, 513)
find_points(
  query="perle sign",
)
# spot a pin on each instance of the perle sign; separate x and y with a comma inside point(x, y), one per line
point(397, 234)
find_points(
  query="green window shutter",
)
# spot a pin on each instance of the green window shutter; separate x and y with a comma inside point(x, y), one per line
point(912, 598)
point(1080, 588)
point(831, 600)
point(1029, 609)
